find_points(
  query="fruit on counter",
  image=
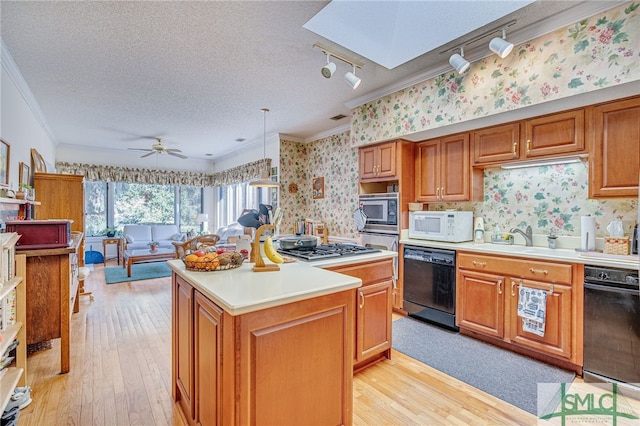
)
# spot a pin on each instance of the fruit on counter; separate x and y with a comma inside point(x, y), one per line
point(271, 252)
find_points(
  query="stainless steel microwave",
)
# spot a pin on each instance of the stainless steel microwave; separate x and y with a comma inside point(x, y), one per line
point(381, 211)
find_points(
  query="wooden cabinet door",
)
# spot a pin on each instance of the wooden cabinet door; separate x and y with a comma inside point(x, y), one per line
point(496, 144)
point(480, 302)
point(558, 325)
point(368, 162)
point(182, 346)
point(614, 138)
point(455, 168)
point(386, 160)
point(561, 133)
point(207, 361)
point(373, 320)
point(427, 169)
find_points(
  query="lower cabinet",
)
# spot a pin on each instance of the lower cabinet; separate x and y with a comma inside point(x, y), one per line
point(373, 310)
point(487, 305)
point(290, 364)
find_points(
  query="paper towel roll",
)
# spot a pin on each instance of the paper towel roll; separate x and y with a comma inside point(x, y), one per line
point(587, 232)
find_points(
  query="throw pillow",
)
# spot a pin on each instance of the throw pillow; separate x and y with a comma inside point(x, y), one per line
point(178, 236)
point(129, 239)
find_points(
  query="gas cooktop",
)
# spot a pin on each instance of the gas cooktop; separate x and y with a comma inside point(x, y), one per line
point(325, 251)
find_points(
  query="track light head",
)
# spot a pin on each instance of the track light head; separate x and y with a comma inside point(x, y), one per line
point(500, 46)
point(352, 79)
point(458, 61)
point(328, 70)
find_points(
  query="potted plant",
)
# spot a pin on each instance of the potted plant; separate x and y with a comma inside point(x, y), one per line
point(23, 190)
point(109, 231)
point(153, 245)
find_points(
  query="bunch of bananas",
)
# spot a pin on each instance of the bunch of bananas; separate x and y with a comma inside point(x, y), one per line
point(271, 252)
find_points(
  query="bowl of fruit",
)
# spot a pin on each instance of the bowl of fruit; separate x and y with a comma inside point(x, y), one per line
point(212, 259)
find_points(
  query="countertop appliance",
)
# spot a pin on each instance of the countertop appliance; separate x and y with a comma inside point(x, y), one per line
point(450, 225)
point(611, 325)
point(325, 251)
point(382, 212)
point(430, 285)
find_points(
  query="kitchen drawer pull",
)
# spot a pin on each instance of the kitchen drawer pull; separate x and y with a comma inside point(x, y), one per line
point(361, 300)
point(515, 149)
point(499, 286)
point(442, 193)
point(478, 263)
point(513, 286)
point(538, 271)
point(437, 193)
point(528, 146)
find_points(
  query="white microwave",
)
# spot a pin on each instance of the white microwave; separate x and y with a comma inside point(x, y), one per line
point(450, 225)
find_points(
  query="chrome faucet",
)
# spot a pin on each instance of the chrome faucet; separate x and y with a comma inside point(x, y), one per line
point(528, 235)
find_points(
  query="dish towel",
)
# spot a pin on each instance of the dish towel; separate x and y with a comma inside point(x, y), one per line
point(359, 218)
point(532, 307)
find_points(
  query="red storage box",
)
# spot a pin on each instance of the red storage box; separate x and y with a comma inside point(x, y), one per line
point(41, 234)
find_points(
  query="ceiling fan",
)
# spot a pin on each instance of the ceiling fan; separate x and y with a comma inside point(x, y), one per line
point(159, 148)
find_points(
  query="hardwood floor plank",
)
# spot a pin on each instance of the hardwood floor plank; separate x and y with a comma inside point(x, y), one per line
point(121, 373)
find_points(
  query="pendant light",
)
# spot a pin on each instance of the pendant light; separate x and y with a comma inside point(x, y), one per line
point(264, 181)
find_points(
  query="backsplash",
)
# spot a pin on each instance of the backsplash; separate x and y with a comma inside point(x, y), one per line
point(549, 198)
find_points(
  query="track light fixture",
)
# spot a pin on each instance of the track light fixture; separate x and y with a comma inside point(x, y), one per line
point(458, 61)
point(329, 69)
point(352, 79)
point(500, 46)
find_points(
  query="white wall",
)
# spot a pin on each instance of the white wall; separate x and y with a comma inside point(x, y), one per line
point(251, 151)
point(19, 125)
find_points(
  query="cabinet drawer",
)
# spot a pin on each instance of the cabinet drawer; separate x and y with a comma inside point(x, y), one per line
point(369, 273)
point(560, 273)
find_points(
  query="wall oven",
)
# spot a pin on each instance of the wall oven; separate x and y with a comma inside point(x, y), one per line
point(382, 212)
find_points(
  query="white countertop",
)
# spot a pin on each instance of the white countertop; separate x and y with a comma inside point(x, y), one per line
point(239, 291)
point(535, 252)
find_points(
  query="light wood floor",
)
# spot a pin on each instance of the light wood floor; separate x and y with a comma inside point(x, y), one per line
point(120, 373)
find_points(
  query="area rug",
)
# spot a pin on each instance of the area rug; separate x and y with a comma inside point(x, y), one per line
point(139, 271)
point(501, 373)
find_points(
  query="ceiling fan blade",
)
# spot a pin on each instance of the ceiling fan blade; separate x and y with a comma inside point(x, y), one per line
point(140, 149)
point(177, 155)
point(172, 150)
point(146, 155)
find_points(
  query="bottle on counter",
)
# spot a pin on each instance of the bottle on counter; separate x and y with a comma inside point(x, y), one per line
point(496, 233)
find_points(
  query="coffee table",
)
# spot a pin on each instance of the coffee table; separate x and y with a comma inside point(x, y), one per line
point(146, 255)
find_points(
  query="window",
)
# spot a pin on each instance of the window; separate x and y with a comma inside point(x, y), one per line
point(115, 204)
point(234, 199)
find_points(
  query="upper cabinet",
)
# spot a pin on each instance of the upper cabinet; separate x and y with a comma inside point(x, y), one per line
point(443, 170)
point(614, 136)
point(546, 136)
point(378, 162)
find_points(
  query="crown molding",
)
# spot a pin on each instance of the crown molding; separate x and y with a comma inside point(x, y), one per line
point(328, 133)
point(11, 68)
point(582, 10)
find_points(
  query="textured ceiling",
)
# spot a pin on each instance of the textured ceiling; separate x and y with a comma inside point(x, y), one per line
point(112, 74)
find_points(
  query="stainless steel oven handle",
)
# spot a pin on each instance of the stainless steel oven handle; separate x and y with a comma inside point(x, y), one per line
point(610, 289)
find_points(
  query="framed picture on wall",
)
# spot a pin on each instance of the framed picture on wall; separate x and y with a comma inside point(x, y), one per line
point(4, 163)
point(318, 187)
point(25, 174)
point(37, 162)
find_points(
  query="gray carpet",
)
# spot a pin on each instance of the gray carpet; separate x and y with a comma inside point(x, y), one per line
point(501, 373)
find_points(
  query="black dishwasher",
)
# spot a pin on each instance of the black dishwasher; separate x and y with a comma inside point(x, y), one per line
point(611, 325)
point(430, 285)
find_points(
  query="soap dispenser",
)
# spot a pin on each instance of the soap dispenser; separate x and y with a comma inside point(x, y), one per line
point(478, 231)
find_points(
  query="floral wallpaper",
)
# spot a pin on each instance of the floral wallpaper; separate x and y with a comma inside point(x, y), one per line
point(592, 54)
point(549, 198)
point(332, 158)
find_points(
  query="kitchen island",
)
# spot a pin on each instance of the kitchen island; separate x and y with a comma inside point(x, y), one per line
point(263, 348)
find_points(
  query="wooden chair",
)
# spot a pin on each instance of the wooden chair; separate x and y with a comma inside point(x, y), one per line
point(195, 243)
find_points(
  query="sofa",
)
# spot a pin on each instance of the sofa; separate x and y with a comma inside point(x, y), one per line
point(139, 236)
